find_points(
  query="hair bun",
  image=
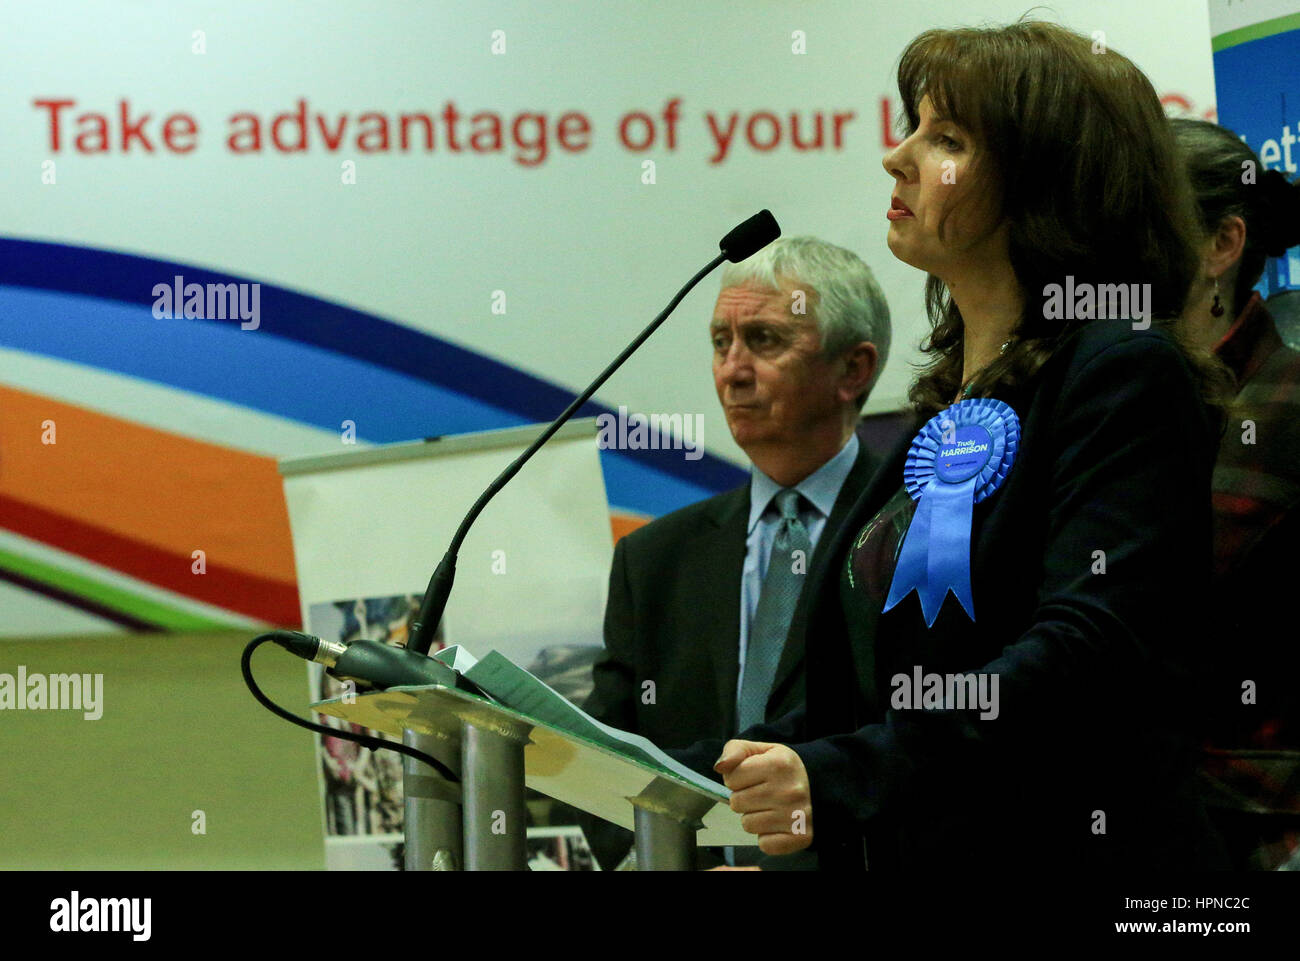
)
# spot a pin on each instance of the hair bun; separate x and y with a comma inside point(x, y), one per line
point(1281, 226)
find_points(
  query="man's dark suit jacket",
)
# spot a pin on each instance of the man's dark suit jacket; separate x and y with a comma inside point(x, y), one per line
point(1115, 456)
point(673, 617)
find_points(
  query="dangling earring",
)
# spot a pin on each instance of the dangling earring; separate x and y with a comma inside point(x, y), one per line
point(1217, 308)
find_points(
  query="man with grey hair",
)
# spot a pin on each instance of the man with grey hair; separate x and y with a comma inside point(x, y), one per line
point(699, 638)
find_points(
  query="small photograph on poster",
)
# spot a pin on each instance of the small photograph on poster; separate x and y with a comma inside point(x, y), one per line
point(559, 849)
point(567, 669)
point(362, 788)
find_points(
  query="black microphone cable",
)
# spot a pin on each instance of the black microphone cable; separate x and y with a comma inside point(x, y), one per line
point(287, 638)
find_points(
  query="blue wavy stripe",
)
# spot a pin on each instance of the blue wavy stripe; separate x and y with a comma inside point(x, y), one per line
point(479, 392)
point(299, 382)
point(307, 320)
point(245, 367)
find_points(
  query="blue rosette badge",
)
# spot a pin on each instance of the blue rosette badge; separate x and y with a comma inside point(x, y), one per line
point(961, 456)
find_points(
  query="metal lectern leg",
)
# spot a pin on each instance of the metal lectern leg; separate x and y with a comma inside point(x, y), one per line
point(493, 781)
point(432, 811)
point(663, 842)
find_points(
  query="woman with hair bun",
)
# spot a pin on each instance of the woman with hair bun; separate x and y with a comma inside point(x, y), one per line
point(1252, 761)
point(1002, 639)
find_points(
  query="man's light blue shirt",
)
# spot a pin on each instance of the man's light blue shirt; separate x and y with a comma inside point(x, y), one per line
point(821, 488)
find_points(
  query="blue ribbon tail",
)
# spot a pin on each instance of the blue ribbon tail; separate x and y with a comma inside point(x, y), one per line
point(910, 570)
point(948, 562)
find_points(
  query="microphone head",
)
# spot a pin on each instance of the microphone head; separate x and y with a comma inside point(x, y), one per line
point(748, 238)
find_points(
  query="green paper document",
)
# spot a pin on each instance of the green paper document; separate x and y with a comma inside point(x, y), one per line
point(515, 688)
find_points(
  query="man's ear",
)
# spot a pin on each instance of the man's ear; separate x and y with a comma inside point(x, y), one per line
point(859, 370)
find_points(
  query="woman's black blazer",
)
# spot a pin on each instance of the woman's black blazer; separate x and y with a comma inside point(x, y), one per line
point(1090, 570)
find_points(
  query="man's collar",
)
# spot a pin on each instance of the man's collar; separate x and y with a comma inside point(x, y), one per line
point(1249, 341)
point(821, 487)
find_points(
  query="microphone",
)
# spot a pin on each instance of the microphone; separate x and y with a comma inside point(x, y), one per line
point(749, 237)
point(743, 241)
point(370, 663)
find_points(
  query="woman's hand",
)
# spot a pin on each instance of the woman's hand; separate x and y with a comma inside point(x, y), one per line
point(769, 786)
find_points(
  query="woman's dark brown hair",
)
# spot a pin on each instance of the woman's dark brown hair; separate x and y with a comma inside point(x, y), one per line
point(1072, 139)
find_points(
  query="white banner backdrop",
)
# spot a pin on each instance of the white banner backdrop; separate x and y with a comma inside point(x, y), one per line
point(452, 215)
point(560, 216)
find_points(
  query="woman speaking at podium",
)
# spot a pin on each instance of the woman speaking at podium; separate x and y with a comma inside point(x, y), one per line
point(1003, 638)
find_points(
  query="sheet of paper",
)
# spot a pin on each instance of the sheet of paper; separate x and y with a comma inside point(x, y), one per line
point(456, 658)
point(521, 691)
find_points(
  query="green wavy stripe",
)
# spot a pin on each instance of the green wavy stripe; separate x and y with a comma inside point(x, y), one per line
point(109, 595)
point(1255, 31)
